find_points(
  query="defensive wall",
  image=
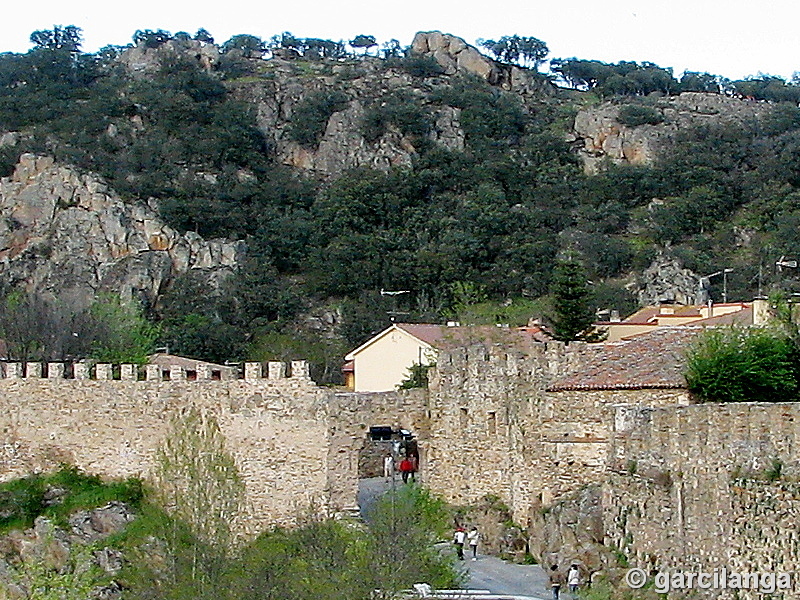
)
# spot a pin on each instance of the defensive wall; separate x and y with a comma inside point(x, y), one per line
point(706, 486)
point(496, 429)
point(644, 471)
point(295, 443)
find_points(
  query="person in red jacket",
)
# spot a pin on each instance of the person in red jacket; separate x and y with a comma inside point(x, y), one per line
point(406, 469)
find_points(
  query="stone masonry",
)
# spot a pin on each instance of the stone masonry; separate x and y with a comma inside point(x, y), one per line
point(295, 444)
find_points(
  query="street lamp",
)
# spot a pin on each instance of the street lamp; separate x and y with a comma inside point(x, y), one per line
point(724, 273)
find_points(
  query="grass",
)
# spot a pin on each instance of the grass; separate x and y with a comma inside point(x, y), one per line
point(59, 494)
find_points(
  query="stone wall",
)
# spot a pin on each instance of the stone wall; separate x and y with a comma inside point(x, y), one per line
point(706, 486)
point(496, 430)
point(295, 444)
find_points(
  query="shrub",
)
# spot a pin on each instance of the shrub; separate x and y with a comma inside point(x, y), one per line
point(59, 494)
point(417, 65)
point(310, 116)
point(737, 365)
point(633, 115)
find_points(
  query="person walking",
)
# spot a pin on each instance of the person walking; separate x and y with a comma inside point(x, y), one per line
point(556, 581)
point(459, 537)
point(573, 579)
point(406, 469)
point(388, 466)
point(472, 538)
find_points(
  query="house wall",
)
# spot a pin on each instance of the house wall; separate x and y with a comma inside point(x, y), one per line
point(384, 364)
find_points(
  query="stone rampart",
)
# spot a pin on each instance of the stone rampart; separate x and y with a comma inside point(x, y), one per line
point(707, 486)
point(295, 443)
point(495, 429)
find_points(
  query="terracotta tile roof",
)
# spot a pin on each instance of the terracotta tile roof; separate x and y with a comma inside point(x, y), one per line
point(740, 317)
point(650, 360)
point(190, 364)
point(442, 336)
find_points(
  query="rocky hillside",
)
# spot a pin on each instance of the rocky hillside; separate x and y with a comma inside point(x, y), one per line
point(602, 136)
point(69, 236)
point(317, 180)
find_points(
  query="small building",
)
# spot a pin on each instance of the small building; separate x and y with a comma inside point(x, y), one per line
point(651, 318)
point(382, 363)
point(165, 361)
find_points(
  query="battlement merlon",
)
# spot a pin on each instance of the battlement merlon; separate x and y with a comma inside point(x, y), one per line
point(85, 371)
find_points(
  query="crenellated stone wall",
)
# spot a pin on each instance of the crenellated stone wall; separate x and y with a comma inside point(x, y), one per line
point(496, 430)
point(295, 443)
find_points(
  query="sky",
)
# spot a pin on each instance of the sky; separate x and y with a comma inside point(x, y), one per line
point(732, 38)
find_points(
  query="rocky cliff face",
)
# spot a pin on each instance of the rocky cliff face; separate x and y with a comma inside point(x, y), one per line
point(68, 235)
point(283, 85)
point(604, 138)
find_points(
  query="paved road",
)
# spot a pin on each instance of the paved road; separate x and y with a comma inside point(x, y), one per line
point(488, 572)
point(501, 577)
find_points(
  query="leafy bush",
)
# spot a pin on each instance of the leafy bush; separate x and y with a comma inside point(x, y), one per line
point(398, 110)
point(310, 116)
point(634, 115)
point(743, 365)
point(420, 66)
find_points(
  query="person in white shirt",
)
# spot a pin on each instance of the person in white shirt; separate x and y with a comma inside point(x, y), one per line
point(573, 578)
point(459, 538)
point(472, 537)
point(388, 466)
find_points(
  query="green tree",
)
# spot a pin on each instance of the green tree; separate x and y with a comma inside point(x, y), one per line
point(67, 38)
point(529, 51)
point(120, 332)
point(250, 46)
point(150, 38)
point(364, 41)
point(573, 316)
point(743, 365)
point(199, 483)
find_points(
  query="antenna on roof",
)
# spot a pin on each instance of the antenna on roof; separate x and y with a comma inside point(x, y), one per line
point(792, 264)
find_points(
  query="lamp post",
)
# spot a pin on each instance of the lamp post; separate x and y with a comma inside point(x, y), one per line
point(724, 273)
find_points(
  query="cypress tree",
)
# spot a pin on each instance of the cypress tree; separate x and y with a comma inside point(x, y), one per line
point(573, 316)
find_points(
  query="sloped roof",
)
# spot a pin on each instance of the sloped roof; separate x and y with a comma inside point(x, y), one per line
point(440, 337)
point(740, 317)
point(189, 364)
point(650, 360)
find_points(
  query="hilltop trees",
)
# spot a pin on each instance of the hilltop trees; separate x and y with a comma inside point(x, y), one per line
point(530, 51)
point(67, 38)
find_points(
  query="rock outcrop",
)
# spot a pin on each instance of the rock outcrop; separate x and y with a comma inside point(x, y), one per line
point(455, 56)
point(667, 281)
point(141, 61)
point(342, 145)
point(65, 551)
point(67, 235)
point(604, 138)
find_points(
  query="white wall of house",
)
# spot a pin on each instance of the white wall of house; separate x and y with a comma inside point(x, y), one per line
point(383, 364)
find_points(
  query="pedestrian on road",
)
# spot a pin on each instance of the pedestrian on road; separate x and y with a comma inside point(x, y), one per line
point(473, 537)
point(573, 578)
point(388, 466)
point(406, 469)
point(459, 537)
point(556, 581)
